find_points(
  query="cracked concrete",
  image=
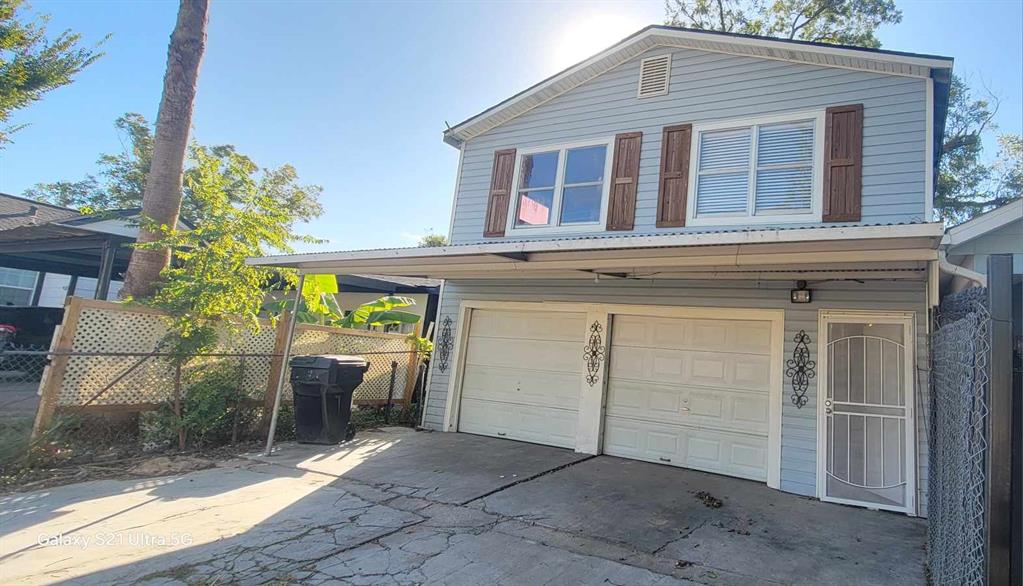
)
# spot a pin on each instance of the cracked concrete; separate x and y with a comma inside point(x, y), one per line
point(453, 510)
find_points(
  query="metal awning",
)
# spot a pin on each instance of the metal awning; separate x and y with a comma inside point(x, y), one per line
point(889, 251)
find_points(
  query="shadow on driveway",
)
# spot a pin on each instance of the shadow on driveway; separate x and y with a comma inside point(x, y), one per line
point(404, 507)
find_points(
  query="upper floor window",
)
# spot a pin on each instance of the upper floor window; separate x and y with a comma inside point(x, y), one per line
point(761, 171)
point(561, 187)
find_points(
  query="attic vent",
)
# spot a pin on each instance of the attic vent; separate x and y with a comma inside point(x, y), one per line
point(654, 73)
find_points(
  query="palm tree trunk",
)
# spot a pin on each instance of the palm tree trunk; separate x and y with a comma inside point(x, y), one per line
point(161, 200)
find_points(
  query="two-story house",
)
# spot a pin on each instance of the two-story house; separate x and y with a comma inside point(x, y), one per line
point(705, 250)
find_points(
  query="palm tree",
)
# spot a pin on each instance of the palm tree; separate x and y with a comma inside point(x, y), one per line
point(161, 200)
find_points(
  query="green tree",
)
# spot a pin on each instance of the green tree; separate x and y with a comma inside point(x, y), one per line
point(431, 240)
point(121, 178)
point(968, 185)
point(844, 22)
point(31, 63)
point(161, 200)
point(209, 285)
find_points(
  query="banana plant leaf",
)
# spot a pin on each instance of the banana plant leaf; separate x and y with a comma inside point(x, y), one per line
point(318, 292)
point(361, 315)
point(381, 318)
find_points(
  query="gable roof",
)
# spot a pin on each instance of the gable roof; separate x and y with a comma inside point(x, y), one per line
point(984, 224)
point(875, 60)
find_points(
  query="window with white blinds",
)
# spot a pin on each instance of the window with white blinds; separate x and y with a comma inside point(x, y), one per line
point(756, 170)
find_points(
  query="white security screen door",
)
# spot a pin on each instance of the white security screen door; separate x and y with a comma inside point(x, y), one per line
point(866, 415)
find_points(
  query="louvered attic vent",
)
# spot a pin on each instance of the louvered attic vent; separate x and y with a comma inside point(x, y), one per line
point(654, 73)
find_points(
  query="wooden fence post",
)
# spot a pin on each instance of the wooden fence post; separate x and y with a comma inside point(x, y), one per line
point(276, 364)
point(410, 372)
point(53, 377)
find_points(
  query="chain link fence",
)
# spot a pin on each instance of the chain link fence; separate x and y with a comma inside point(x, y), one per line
point(21, 369)
point(960, 347)
point(109, 404)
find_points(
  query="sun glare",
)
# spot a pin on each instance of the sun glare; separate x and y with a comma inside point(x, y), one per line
point(591, 34)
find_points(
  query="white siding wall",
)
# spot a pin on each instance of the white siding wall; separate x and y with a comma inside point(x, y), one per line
point(799, 426)
point(708, 87)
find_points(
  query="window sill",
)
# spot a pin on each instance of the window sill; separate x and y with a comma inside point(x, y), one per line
point(549, 230)
point(812, 218)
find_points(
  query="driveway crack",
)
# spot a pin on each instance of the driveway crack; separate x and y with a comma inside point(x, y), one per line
point(529, 478)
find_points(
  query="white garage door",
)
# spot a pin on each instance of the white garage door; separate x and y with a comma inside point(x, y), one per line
point(690, 392)
point(522, 376)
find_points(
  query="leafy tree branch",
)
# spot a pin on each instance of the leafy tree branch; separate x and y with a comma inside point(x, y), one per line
point(33, 64)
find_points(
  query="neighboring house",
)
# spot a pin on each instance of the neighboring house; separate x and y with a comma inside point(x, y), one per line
point(49, 252)
point(968, 245)
point(354, 290)
point(705, 250)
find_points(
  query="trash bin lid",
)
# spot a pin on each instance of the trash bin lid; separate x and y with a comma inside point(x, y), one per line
point(345, 360)
point(327, 361)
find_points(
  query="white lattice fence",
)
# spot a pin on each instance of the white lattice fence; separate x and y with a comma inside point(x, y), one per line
point(116, 370)
point(379, 349)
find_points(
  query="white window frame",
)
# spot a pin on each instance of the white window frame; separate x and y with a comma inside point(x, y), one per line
point(814, 215)
point(559, 185)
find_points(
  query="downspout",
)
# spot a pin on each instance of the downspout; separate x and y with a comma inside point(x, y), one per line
point(946, 267)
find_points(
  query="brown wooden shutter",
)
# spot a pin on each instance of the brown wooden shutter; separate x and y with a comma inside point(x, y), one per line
point(843, 163)
point(500, 193)
point(674, 183)
point(621, 209)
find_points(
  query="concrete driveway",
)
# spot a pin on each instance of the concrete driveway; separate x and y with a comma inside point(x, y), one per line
point(401, 507)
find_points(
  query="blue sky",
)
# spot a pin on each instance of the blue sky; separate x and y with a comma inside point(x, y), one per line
point(355, 95)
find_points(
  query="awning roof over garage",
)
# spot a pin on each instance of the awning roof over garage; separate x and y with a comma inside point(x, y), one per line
point(890, 251)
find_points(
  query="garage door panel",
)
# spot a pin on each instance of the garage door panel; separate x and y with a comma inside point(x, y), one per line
point(701, 449)
point(643, 441)
point(522, 325)
point(637, 399)
point(713, 335)
point(542, 425)
point(522, 376)
point(690, 392)
point(551, 356)
point(727, 410)
point(725, 370)
point(509, 385)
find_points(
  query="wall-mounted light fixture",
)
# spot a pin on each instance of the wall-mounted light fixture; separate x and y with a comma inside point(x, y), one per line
point(801, 294)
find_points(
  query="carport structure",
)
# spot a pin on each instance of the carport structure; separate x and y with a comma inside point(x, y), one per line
point(674, 349)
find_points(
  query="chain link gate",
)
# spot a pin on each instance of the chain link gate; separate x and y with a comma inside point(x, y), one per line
point(960, 354)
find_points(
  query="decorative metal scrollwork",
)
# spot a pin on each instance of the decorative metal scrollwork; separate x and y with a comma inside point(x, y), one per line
point(800, 369)
point(593, 353)
point(444, 344)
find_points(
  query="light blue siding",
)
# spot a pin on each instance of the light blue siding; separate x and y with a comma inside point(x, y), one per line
point(708, 87)
point(799, 426)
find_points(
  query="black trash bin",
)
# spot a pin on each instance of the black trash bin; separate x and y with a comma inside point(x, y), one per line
point(322, 387)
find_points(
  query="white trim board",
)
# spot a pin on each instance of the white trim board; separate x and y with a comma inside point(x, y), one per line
point(764, 236)
point(590, 427)
point(984, 223)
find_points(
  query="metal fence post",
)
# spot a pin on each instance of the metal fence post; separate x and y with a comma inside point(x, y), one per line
point(999, 461)
point(284, 367)
point(390, 391)
point(177, 403)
